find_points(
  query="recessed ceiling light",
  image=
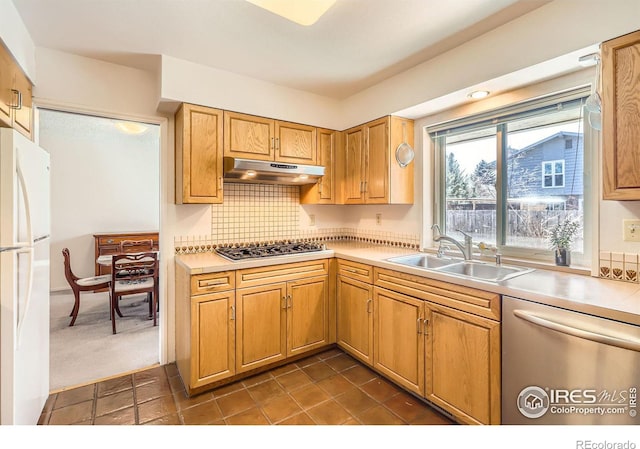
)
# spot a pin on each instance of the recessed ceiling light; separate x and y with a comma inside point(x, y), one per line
point(303, 12)
point(477, 94)
point(131, 127)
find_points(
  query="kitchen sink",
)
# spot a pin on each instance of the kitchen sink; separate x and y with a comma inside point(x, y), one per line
point(461, 268)
point(423, 261)
point(484, 271)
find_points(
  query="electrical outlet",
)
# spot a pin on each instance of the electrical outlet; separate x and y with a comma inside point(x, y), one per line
point(378, 219)
point(631, 230)
point(312, 220)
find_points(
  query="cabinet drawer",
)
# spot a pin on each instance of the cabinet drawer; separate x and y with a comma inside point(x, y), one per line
point(280, 273)
point(212, 282)
point(478, 302)
point(355, 270)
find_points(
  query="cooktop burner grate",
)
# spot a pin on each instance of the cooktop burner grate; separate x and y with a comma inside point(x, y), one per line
point(236, 253)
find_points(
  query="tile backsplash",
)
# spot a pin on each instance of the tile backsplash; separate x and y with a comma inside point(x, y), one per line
point(619, 266)
point(256, 212)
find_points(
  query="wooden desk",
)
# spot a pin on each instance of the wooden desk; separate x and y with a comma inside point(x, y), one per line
point(110, 244)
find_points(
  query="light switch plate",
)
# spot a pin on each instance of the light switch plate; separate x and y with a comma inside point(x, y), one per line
point(631, 230)
point(312, 220)
point(378, 219)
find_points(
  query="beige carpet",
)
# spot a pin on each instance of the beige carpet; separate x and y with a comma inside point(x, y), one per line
point(89, 351)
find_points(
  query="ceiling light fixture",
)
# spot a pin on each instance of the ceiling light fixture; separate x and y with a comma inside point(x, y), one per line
point(478, 94)
point(131, 127)
point(303, 12)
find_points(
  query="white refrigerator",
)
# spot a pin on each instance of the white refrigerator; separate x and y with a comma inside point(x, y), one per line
point(24, 278)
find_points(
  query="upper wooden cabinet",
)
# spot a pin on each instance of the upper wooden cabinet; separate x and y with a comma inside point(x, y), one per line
point(324, 191)
point(253, 137)
point(16, 93)
point(249, 136)
point(371, 174)
point(621, 117)
point(295, 143)
point(198, 155)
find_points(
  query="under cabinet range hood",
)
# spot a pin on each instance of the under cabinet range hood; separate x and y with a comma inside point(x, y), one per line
point(270, 172)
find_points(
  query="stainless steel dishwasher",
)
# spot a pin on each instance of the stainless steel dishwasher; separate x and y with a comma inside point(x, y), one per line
point(564, 367)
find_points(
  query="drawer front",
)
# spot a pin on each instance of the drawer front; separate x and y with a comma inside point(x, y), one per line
point(467, 299)
point(212, 282)
point(281, 273)
point(355, 270)
point(116, 239)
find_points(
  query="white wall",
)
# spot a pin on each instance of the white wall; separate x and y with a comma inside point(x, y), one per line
point(15, 36)
point(194, 83)
point(557, 28)
point(102, 181)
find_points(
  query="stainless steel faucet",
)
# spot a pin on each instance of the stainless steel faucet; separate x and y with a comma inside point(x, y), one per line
point(466, 248)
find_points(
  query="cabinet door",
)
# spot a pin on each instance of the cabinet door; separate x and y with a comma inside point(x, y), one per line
point(621, 117)
point(6, 84)
point(295, 143)
point(249, 136)
point(463, 364)
point(23, 115)
point(355, 318)
point(213, 337)
point(323, 192)
point(376, 187)
point(307, 315)
point(198, 155)
point(353, 170)
point(261, 326)
point(399, 340)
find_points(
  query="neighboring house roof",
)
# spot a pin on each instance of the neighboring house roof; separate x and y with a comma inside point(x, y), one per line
point(546, 139)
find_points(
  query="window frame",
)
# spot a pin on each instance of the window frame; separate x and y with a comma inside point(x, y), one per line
point(499, 117)
point(553, 174)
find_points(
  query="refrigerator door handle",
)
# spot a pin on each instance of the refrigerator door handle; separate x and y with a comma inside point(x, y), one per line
point(27, 209)
point(21, 314)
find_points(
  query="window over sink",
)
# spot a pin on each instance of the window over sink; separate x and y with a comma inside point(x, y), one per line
point(507, 176)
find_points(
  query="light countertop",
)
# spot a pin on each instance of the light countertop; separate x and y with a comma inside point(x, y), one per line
point(606, 298)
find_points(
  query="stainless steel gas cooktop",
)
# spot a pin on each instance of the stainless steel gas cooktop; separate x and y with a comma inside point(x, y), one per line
point(254, 251)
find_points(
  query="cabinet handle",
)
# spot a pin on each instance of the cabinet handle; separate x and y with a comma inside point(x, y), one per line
point(418, 326)
point(426, 327)
point(365, 186)
point(110, 241)
point(319, 186)
point(284, 302)
point(369, 301)
point(350, 270)
point(18, 103)
point(277, 143)
point(290, 301)
point(273, 145)
point(233, 312)
point(361, 186)
point(220, 183)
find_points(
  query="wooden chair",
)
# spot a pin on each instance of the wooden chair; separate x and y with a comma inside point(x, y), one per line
point(78, 284)
point(136, 246)
point(133, 274)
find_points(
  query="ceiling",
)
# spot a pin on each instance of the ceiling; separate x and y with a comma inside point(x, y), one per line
point(355, 45)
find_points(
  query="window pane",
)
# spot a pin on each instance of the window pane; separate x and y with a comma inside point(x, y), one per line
point(470, 178)
point(538, 200)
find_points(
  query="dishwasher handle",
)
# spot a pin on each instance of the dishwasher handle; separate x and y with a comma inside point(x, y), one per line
point(632, 343)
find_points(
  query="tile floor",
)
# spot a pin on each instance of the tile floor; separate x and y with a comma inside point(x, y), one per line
point(328, 388)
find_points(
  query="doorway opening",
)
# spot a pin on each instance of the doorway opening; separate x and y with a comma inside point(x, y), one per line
point(105, 180)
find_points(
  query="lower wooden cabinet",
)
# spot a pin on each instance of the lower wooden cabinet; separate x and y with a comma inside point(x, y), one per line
point(355, 318)
point(428, 343)
point(463, 364)
point(261, 326)
point(280, 320)
point(213, 336)
point(399, 340)
point(277, 312)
